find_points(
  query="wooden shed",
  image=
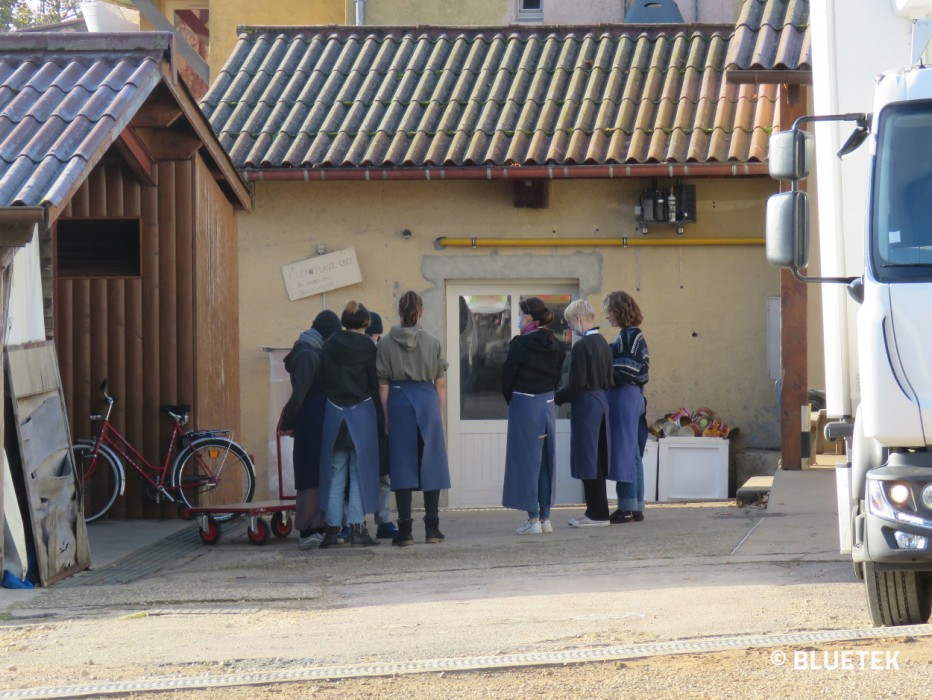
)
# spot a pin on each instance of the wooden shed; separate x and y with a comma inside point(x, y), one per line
point(139, 239)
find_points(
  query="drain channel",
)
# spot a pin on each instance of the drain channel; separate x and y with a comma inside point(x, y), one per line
point(471, 663)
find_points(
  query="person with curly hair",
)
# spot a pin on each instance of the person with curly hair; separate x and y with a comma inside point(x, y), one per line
point(630, 372)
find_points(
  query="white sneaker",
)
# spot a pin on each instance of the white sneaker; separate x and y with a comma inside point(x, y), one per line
point(586, 522)
point(546, 527)
point(529, 528)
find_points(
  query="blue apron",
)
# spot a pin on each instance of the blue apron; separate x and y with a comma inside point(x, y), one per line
point(414, 409)
point(531, 418)
point(308, 428)
point(383, 439)
point(360, 422)
point(588, 412)
point(625, 403)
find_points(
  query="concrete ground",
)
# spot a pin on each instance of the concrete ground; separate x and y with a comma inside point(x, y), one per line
point(163, 604)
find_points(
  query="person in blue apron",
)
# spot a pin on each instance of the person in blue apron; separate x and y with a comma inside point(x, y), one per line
point(627, 408)
point(349, 449)
point(385, 528)
point(530, 375)
point(590, 376)
point(303, 419)
point(412, 390)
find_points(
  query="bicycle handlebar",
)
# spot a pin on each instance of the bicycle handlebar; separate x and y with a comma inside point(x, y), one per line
point(103, 390)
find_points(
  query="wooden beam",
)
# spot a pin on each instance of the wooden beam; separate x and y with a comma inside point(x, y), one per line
point(194, 22)
point(794, 347)
point(136, 156)
point(182, 47)
point(160, 109)
point(170, 144)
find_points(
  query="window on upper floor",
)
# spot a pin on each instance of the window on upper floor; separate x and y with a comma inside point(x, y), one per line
point(530, 10)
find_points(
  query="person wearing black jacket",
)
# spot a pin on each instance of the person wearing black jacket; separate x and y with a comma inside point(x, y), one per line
point(590, 376)
point(530, 375)
point(303, 418)
point(350, 446)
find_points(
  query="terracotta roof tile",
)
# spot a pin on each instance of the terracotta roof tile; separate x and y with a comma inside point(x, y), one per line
point(326, 97)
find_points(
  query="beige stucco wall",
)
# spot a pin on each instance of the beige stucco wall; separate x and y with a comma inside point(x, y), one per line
point(704, 308)
point(492, 12)
point(227, 14)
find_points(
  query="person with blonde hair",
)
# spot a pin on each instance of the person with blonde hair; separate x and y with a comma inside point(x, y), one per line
point(530, 375)
point(630, 371)
point(412, 388)
point(350, 446)
point(590, 376)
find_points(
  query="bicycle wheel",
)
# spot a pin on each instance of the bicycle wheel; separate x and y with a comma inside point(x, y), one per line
point(213, 472)
point(101, 479)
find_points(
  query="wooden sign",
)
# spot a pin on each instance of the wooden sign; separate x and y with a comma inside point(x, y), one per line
point(321, 274)
point(45, 463)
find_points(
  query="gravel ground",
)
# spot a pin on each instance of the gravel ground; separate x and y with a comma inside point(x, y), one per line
point(680, 575)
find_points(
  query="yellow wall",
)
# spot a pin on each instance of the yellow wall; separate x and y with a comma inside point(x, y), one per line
point(394, 12)
point(705, 308)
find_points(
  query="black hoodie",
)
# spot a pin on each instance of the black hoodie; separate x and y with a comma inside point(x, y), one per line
point(534, 364)
point(347, 364)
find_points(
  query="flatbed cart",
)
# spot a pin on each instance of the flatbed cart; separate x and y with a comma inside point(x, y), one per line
point(282, 511)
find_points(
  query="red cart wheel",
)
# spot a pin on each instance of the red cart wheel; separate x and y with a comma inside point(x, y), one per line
point(281, 527)
point(261, 534)
point(212, 534)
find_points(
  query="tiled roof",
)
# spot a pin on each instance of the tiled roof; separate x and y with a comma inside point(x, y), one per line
point(772, 34)
point(64, 98)
point(351, 97)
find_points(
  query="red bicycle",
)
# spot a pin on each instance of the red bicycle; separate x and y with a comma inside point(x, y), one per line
point(209, 470)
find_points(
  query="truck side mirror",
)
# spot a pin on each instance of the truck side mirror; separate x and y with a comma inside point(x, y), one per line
point(791, 155)
point(787, 243)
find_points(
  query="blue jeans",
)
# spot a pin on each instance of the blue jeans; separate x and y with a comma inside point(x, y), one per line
point(631, 494)
point(544, 486)
point(343, 466)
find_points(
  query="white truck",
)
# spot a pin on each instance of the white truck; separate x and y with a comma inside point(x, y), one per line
point(875, 236)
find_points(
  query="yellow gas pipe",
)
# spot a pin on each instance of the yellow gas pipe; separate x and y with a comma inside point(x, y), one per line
point(623, 242)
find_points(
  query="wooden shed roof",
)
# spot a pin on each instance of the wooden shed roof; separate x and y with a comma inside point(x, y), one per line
point(65, 99)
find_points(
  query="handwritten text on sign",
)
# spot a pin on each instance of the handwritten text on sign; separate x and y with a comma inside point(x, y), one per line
point(321, 274)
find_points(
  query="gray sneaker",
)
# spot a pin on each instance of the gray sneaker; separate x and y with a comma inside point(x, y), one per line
point(311, 541)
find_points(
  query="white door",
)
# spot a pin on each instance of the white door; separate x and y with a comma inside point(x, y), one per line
point(482, 318)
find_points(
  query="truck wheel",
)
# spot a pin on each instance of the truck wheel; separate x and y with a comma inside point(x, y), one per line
point(897, 597)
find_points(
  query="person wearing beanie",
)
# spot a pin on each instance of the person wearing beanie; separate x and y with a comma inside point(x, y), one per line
point(303, 418)
point(385, 528)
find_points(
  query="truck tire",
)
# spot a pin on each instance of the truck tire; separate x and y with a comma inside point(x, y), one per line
point(897, 598)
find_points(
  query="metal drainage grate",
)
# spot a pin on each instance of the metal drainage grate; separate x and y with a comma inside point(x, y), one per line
point(474, 663)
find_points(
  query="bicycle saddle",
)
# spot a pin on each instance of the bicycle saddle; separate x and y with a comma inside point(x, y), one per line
point(177, 411)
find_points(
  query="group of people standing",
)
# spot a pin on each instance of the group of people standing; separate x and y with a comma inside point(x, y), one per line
point(365, 413)
point(366, 416)
point(605, 390)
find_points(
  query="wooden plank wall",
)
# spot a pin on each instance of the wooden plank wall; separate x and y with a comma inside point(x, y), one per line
point(142, 333)
point(215, 269)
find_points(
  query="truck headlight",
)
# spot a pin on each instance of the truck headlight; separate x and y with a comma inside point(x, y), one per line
point(927, 496)
point(906, 540)
point(877, 501)
point(899, 494)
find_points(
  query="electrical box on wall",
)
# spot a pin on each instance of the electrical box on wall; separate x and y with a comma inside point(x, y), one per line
point(675, 205)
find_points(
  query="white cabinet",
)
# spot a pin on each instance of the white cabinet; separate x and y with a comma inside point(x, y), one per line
point(692, 468)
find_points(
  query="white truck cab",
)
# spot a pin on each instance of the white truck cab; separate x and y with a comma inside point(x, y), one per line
point(885, 487)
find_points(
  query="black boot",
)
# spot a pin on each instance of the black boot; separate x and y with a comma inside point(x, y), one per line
point(330, 537)
point(638, 515)
point(432, 530)
point(403, 538)
point(361, 538)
